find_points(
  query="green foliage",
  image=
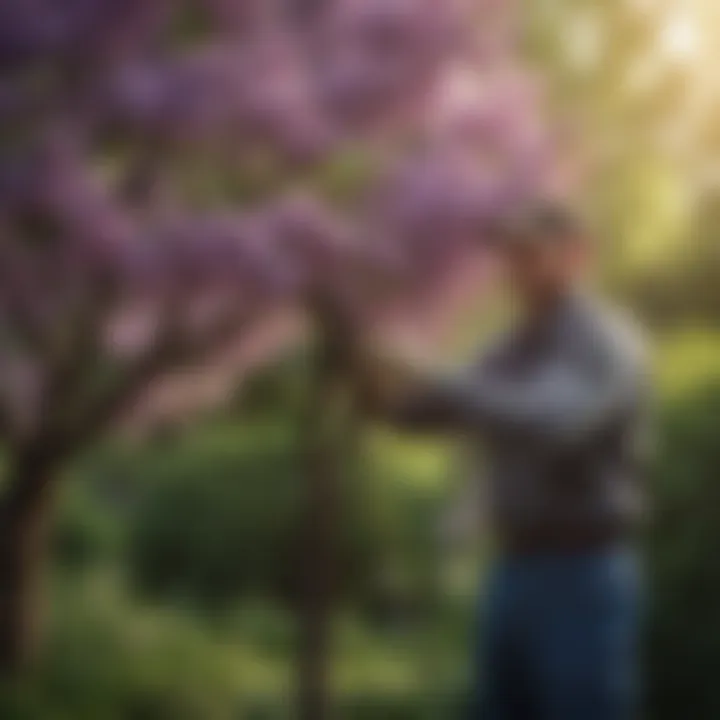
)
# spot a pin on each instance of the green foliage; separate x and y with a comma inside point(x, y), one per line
point(82, 536)
point(109, 658)
point(218, 519)
point(684, 543)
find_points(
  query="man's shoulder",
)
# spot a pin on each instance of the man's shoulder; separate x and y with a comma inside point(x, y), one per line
point(611, 330)
point(497, 349)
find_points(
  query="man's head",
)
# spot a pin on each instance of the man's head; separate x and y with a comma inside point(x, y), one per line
point(546, 252)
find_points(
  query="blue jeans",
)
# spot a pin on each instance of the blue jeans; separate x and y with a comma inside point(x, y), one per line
point(558, 639)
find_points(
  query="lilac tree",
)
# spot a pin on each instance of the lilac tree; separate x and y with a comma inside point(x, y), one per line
point(169, 182)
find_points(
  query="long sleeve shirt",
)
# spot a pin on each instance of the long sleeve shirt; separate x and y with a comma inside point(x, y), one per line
point(557, 412)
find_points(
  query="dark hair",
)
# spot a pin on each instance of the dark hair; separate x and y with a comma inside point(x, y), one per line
point(541, 223)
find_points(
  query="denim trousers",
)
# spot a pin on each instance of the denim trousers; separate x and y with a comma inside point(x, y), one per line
point(558, 638)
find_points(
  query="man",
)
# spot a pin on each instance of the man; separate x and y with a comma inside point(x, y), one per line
point(557, 408)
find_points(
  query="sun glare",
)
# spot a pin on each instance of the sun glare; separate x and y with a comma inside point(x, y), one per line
point(681, 37)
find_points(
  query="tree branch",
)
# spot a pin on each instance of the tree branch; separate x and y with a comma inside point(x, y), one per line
point(17, 298)
point(171, 350)
point(7, 427)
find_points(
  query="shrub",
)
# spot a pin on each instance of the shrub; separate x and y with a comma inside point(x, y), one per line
point(684, 547)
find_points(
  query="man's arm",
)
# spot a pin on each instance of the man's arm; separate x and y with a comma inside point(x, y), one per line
point(411, 399)
point(565, 403)
point(560, 406)
point(431, 406)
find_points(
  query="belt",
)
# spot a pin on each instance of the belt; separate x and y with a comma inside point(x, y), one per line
point(565, 541)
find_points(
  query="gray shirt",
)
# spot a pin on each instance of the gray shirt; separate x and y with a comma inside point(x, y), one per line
point(557, 410)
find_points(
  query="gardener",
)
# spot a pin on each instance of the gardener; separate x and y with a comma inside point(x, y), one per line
point(557, 409)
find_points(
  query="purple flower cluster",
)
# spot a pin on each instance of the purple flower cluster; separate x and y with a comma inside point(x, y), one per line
point(107, 107)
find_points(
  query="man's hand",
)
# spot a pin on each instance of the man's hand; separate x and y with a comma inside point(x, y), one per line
point(390, 375)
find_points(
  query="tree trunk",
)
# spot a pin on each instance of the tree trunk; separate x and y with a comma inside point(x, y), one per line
point(317, 589)
point(327, 424)
point(25, 515)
